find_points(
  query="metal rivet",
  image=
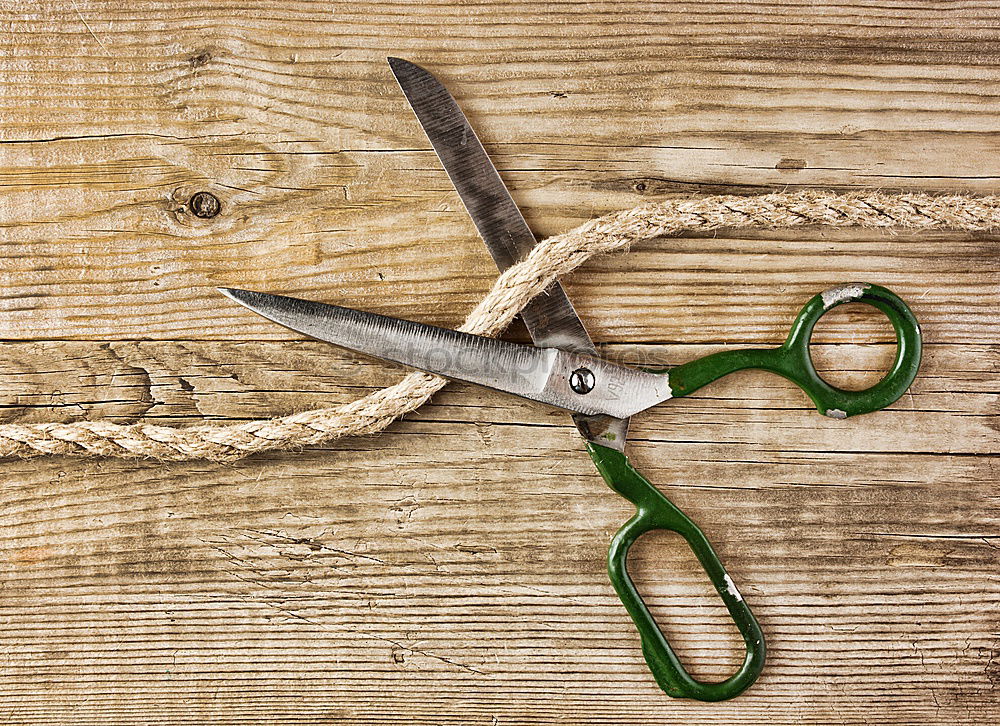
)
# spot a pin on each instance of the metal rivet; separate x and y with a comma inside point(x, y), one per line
point(582, 380)
point(205, 205)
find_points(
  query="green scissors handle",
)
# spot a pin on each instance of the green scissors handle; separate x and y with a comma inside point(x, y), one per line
point(792, 359)
point(655, 511)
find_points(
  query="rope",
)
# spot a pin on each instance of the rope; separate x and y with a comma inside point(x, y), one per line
point(549, 260)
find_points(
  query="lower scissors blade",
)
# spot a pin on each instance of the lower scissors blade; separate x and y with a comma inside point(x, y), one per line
point(539, 374)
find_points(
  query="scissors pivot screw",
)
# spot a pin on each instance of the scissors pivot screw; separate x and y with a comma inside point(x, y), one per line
point(582, 380)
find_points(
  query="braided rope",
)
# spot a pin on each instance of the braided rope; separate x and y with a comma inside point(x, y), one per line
point(549, 260)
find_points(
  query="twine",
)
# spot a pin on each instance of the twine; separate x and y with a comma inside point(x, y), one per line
point(550, 259)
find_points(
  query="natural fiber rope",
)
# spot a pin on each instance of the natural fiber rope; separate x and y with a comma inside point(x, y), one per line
point(549, 260)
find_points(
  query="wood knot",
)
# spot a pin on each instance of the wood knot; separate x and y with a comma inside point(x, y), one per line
point(204, 205)
point(793, 164)
point(200, 59)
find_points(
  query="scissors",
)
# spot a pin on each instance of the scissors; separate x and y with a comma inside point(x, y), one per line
point(563, 369)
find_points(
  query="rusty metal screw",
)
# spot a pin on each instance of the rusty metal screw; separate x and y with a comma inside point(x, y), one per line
point(204, 205)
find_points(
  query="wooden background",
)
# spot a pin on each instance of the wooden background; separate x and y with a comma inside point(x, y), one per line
point(451, 570)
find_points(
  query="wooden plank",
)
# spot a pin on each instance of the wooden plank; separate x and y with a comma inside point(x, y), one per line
point(451, 569)
point(700, 285)
point(189, 382)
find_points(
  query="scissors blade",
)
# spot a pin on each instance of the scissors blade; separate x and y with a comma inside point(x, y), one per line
point(539, 374)
point(550, 318)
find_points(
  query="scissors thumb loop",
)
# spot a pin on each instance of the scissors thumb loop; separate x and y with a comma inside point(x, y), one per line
point(796, 362)
point(793, 360)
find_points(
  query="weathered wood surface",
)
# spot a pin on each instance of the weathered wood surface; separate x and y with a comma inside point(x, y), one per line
point(451, 570)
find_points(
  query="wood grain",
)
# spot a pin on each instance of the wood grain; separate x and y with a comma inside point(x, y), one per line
point(451, 570)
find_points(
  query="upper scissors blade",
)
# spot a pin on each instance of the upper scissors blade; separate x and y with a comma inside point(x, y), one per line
point(550, 317)
point(539, 374)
